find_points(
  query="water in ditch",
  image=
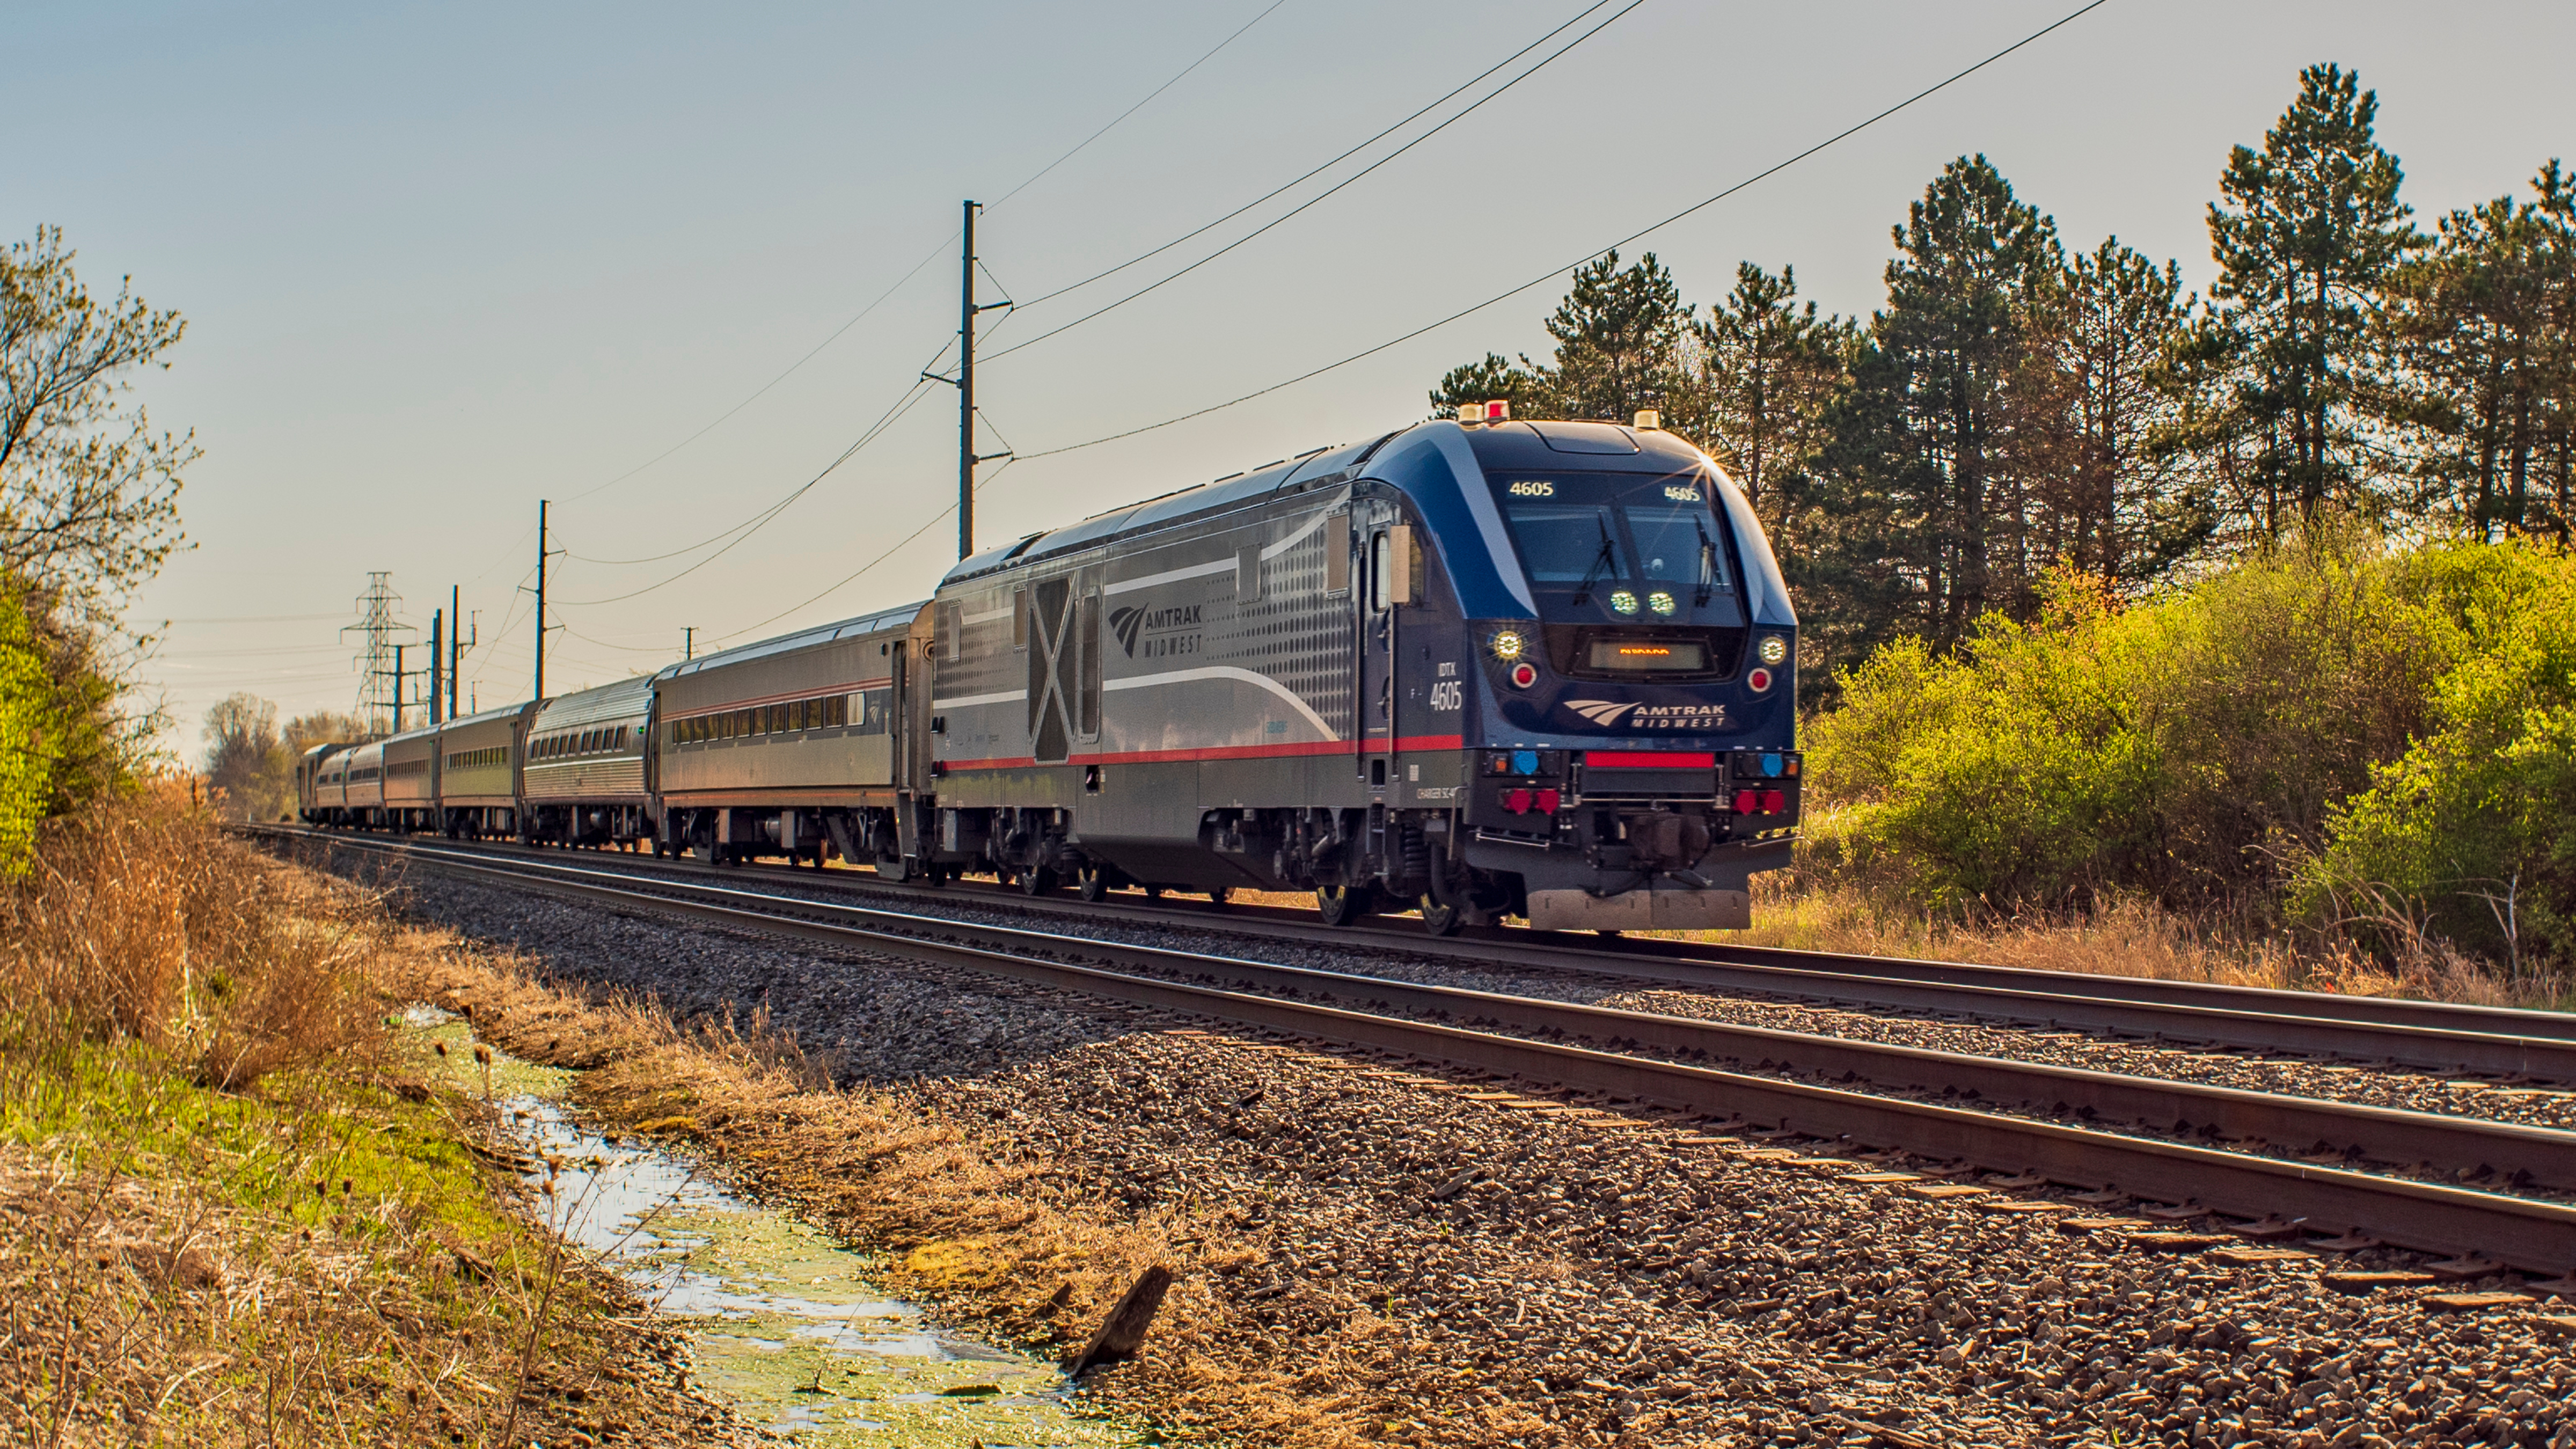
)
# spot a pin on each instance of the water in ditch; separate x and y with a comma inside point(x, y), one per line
point(781, 1320)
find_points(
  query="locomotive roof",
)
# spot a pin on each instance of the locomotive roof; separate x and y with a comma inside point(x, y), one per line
point(1320, 468)
point(875, 623)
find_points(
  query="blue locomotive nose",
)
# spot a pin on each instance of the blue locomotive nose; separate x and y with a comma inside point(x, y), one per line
point(1771, 765)
point(1525, 762)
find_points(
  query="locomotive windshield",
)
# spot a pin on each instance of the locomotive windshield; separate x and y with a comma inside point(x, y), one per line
point(1587, 531)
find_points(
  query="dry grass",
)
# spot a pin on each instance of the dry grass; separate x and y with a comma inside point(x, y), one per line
point(230, 1210)
point(2127, 938)
point(137, 921)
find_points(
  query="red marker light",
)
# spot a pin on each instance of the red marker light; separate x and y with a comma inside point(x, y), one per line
point(1547, 802)
point(1524, 674)
point(1773, 802)
point(1516, 801)
point(1745, 800)
point(1759, 679)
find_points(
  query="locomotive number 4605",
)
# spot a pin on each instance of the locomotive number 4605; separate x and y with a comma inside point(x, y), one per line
point(1533, 488)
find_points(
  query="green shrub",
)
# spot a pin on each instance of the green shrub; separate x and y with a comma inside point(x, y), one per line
point(2213, 745)
point(2472, 830)
point(59, 747)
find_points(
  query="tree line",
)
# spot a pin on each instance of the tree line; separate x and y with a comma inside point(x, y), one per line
point(2019, 410)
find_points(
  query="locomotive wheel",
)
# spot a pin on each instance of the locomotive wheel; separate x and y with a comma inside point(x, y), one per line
point(1441, 920)
point(1093, 881)
point(1037, 881)
point(1345, 905)
point(934, 874)
point(1217, 896)
point(1153, 893)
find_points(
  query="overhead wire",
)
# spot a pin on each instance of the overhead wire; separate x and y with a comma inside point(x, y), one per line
point(1140, 105)
point(854, 575)
point(1551, 275)
point(1321, 196)
point(911, 397)
point(1291, 185)
point(934, 254)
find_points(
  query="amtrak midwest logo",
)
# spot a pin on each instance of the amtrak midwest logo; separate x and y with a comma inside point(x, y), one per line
point(1610, 715)
point(1157, 633)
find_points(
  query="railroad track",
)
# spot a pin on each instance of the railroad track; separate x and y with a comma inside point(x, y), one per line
point(2425, 1036)
point(1587, 1049)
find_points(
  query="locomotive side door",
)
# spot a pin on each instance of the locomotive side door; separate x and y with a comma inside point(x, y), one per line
point(1384, 578)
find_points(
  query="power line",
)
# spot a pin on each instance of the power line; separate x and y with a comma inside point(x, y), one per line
point(1614, 246)
point(1327, 166)
point(932, 522)
point(912, 395)
point(1140, 105)
point(933, 255)
point(1292, 212)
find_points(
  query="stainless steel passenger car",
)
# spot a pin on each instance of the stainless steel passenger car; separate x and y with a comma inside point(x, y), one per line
point(320, 784)
point(363, 785)
point(779, 747)
point(479, 760)
point(410, 783)
point(586, 780)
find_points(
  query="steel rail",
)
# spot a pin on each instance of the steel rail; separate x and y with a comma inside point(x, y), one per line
point(2428, 1217)
point(2069, 1000)
point(2468, 1146)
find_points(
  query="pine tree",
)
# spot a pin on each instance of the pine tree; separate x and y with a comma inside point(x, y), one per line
point(2305, 235)
point(2104, 497)
point(1921, 440)
point(1618, 338)
point(1522, 384)
point(1765, 369)
point(2483, 332)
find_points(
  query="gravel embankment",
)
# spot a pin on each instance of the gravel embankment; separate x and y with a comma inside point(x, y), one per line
point(1592, 1283)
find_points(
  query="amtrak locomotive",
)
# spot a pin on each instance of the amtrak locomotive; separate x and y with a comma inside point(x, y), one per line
point(1485, 668)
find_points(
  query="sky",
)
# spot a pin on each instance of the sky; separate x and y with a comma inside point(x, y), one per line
point(663, 265)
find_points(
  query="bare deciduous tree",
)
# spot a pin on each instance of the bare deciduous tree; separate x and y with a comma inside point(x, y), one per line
point(89, 494)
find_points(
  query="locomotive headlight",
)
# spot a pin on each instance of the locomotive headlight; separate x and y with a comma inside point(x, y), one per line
point(1773, 649)
point(1661, 602)
point(1507, 645)
point(1623, 602)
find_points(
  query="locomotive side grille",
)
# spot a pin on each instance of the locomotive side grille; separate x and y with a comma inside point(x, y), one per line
point(1050, 642)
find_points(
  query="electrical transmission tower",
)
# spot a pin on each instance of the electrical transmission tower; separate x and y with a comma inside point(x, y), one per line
point(379, 681)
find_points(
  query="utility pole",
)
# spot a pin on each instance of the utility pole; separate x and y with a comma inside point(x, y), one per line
point(398, 674)
point(457, 644)
point(964, 382)
point(541, 599)
point(437, 659)
point(966, 389)
point(688, 641)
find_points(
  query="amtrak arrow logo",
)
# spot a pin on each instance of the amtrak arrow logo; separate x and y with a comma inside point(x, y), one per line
point(1600, 711)
point(1124, 623)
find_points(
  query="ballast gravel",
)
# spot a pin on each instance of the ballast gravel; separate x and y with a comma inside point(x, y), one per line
point(1381, 955)
point(1513, 1270)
